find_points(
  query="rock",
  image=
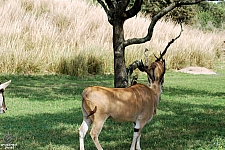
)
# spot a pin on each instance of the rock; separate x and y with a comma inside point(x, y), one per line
point(196, 70)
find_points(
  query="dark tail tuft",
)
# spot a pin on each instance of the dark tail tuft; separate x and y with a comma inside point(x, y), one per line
point(92, 112)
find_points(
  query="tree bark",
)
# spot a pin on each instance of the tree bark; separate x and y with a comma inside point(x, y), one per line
point(120, 74)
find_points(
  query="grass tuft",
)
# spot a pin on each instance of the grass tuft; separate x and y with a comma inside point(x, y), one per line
point(94, 65)
point(80, 65)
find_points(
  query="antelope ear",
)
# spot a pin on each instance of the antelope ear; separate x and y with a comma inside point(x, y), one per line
point(4, 85)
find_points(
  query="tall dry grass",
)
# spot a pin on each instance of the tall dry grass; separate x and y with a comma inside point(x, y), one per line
point(72, 36)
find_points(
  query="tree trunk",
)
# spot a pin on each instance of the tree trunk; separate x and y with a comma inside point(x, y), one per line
point(120, 74)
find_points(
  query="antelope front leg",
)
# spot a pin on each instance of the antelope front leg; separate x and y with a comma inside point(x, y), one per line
point(136, 139)
point(138, 146)
point(136, 136)
point(138, 126)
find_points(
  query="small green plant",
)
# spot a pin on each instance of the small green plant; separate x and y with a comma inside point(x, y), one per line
point(211, 15)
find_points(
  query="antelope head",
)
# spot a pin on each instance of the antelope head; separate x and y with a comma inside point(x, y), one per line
point(2, 98)
point(159, 62)
point(154, 71)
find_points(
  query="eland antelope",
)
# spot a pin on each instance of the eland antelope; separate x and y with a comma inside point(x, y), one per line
point(136, 104)
point(2, 98)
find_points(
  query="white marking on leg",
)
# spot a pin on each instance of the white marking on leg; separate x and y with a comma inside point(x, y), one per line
point(135, 135)
point(83, 130)
point(138, 145)
point(137, 125)
point(1, 102)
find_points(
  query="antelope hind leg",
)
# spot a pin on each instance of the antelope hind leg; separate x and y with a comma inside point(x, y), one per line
point(83, 130)
point(96, 129)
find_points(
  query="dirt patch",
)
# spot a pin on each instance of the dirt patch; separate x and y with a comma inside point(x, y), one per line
point(196, 70)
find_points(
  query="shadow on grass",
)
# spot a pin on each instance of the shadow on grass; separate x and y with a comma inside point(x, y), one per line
point(178, 126)
point(187, 125)
point(181, 91)
point(181, 129)
point(51, 87)
point(44, 130)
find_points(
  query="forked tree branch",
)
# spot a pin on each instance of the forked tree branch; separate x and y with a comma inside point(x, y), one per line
point(108, 10)
point(104, 6)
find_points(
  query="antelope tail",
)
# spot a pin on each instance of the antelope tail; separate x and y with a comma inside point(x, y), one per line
point(92, 112)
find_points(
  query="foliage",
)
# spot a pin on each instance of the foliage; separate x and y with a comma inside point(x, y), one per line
point(205, 11)
point(44, 112)
point(180, 14)
point(211, 15)
point(183, 14)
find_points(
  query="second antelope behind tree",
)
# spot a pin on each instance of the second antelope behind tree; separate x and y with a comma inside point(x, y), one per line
point(135, 104)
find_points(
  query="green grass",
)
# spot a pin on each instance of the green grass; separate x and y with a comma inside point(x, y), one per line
point(44, 113)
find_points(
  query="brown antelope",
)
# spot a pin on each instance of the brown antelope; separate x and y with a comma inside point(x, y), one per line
point(136, 104)
point(2, 98)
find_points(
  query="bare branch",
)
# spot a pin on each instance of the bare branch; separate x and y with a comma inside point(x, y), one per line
point(189, 2)
point(168, 45)
point(155, 19)
point(151, 27)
